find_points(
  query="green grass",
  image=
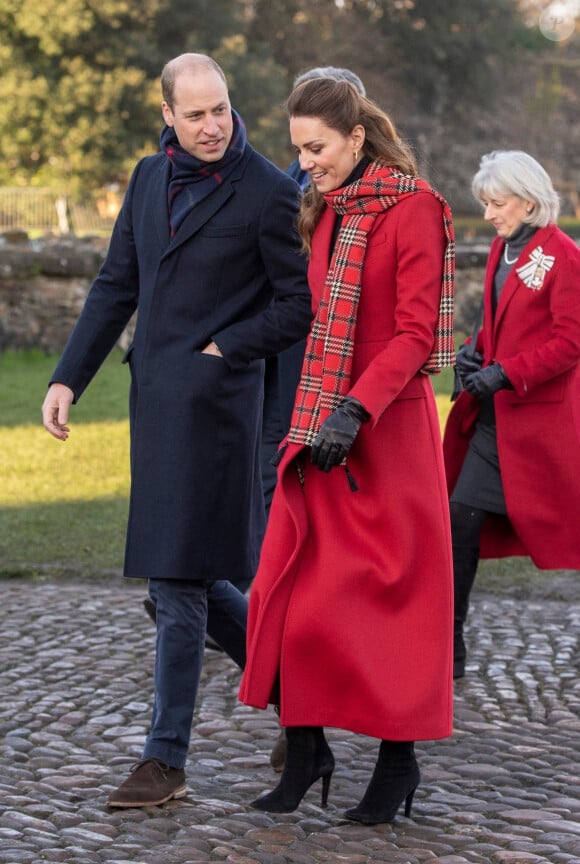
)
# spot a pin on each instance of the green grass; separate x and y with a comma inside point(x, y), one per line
point(24, 378)
point(63, 505)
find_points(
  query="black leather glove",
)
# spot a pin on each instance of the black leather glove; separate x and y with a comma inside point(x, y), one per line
point(487, 381)
point(467, 362)
point(337, 434)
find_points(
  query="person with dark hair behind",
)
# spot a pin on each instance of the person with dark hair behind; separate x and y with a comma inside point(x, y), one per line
point(350, 613)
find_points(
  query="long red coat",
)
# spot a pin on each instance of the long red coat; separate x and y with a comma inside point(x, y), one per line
point(536, 338)
point(350, 612)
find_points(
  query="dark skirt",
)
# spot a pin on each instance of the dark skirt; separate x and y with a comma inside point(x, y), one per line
point(479, 483)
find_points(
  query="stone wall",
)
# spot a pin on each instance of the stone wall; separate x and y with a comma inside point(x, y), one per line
point(43, 285)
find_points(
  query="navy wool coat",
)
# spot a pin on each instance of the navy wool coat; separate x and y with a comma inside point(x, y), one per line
point(232, 273)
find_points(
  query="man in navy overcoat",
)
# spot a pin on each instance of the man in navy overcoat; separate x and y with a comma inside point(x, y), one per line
point(205, 248)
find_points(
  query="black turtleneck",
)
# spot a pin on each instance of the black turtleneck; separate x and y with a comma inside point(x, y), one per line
point(514, 245)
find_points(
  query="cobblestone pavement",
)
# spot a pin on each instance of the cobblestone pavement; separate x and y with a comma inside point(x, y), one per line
point(75, 684)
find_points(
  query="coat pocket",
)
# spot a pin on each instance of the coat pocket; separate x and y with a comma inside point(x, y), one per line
point(548, 391)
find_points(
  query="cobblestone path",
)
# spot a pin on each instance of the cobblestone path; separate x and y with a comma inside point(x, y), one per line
point(75, 686)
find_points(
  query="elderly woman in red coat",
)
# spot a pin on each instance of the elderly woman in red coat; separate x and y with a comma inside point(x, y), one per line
point(350, 612)
point(512, 441)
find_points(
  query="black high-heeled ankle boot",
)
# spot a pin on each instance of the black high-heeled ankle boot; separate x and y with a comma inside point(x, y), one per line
point(395, 779)
point(308, 758)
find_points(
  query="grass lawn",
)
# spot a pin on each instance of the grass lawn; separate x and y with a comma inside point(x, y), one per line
point(63, 506)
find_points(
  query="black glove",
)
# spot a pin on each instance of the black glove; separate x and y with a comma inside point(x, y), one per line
point(467, 362)
point(337, 434)
point(487, 381)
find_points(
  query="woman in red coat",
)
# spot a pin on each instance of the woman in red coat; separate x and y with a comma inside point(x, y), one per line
point(512, 441)
point(350, 612)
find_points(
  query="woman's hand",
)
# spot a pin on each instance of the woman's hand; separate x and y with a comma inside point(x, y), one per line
point(487, 381)
point(467, 362)
point(337, 433)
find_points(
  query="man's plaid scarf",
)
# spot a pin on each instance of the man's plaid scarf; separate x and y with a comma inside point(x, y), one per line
point(326, 371)
point(193, 180)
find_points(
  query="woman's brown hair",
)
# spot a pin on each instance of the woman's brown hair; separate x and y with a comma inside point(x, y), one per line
point(341, 107)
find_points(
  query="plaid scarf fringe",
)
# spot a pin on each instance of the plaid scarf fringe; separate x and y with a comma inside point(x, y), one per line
point(327, 366)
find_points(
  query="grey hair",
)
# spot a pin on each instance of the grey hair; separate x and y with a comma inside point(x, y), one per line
point(513, 172)
point(185, 63)
point(334, 72)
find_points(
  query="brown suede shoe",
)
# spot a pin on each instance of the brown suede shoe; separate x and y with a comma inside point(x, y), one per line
point(150, 782)
point(278, 754)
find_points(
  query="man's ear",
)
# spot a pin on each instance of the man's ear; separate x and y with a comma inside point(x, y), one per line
point(167, 114)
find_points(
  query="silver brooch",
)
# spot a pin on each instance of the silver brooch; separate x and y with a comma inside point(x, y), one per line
point(533, 272)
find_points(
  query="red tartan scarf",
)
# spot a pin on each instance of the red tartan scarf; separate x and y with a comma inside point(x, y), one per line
point(326, 371)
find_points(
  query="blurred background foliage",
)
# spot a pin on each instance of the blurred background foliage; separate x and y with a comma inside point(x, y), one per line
point(81, 100)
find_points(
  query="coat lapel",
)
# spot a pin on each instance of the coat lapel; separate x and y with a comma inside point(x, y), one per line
point(513, 282)
point(488, 321)
point(160, 211)
point(206, 209)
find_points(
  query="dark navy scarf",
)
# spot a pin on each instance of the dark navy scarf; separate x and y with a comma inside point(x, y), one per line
point(193, 180)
